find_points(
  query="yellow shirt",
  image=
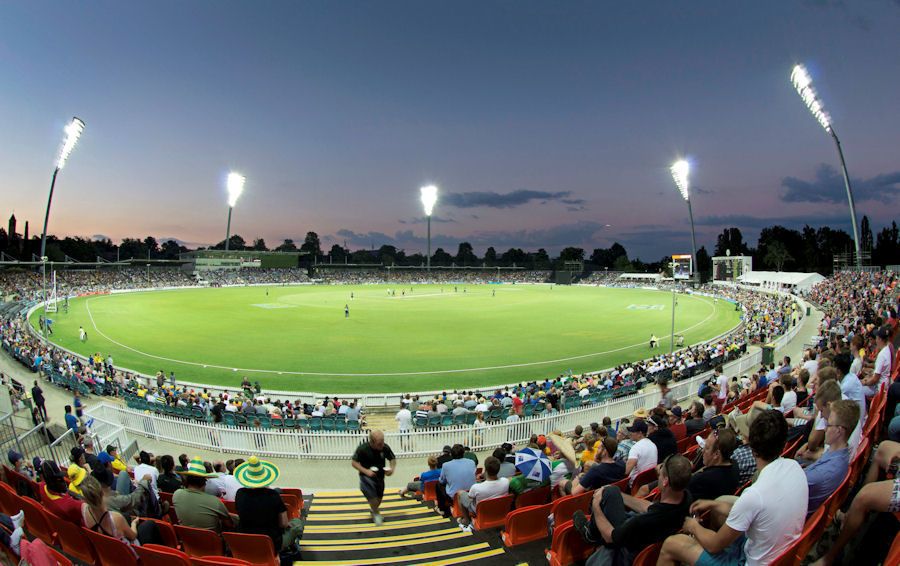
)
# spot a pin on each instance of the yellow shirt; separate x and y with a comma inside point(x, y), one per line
point(119, 464)
point(590, 453)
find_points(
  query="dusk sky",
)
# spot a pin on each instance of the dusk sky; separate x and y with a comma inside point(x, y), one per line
point(545, 124)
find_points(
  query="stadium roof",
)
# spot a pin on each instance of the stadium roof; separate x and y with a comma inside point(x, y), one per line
point(783, 278)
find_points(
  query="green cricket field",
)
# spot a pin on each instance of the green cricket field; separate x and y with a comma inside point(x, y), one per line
point(382, 338)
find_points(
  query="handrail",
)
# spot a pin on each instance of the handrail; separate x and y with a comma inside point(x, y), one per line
point(369, 400)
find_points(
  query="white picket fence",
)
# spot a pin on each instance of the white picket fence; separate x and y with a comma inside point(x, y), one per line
point(338, 445)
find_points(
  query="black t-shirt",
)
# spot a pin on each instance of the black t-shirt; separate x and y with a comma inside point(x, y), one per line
point(602, 474)
point(694, 426)
point(659, 522)
point(167, 482)
point(443, 459)
point(714, 481)
point(258, 510)
point(801, 397)
point(368, 457)
point(666, 445)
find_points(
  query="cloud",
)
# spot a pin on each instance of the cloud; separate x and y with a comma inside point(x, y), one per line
point(423, 219)
point(100, 237)
point(583, 233)
point(828, 187)
point(489, 199)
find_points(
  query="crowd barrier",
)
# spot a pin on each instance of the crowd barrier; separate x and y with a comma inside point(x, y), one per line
point(420, 442)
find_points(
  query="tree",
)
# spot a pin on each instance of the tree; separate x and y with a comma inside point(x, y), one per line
point(606, 257)
point(441, 257)
point(792, 240)
point(866, 241)
point(541, 259)
point(621, 263)
point(731, 240)
point(170, 249)
point(337, 254)
point(571, 254)
point(151, 246)
point(387, 255)
point(777, 254)
point(490, 257)
point(887, 246)
point(259, 245)
point(312, 245)
point(465, 254)
point(704, 264)
point(287, 246)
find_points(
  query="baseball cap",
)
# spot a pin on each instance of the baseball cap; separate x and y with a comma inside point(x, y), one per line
point(676, 411)
point(884, 333)
point(639, 426)
point(13, 456)
point(105, 458)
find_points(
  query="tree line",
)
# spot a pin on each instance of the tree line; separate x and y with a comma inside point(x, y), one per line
point(778, 249)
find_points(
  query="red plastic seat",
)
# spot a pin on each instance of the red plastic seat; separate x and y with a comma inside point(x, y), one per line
point(429, 491)
point(9, 500)
point(199, 542)
point(166, 531)
point(218, 561)
point(232, 508)
point(648, 556)
point(294, 491)
point(73, 541)
point(893, 555)
point(564, 507)
point(294, 505)
point(536, 496)
point(156, 555)
point(110, 551)
point(568, 547)
point(643, 478)
point(796, 552)
point(491, 513)
point(256, 549)
point(61, 560)
point(165, 496)
point(526, 525)
point(37, 522)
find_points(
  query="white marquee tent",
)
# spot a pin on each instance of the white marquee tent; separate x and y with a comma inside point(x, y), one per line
point(781, 280)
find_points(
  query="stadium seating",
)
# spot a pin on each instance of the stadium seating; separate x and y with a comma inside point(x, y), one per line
point(796, 552)
point(526, 525)
point(110, 551)
point(166, 531)
point(37, 521)
point(491, 513)
point(535, 496)
point(199, 542)
point(648, 556)
point(643, 478)
point(156, 555)
point(256, 549)
point(567, 546)
point(564, 507)
point(74, 543)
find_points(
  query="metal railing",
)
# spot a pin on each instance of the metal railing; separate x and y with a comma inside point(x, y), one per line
point(37, 441)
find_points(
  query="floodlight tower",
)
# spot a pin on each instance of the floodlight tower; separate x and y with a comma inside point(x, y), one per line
point(235, 187)
point(429, 198)
point(680, 171)
point(803, 83)
point(73, 132)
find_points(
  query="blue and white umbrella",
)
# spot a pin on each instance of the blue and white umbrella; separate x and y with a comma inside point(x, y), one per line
point(533, 464)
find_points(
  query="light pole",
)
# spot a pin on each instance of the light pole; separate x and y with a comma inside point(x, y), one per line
point(803, 83)
point(672, 335)
point(680, 171)
point(73, 132)
point(235, 187)
point(429, 198)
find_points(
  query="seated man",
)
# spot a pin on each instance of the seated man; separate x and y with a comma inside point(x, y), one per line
point(431, 474)
point(875, 496)
point(622, 535)
point(643, 455)
point(718, 476)
point(606, 469)
point(825, 475)
point(492, 486)
point(261, 509)
point(456, 475)
point(767, 517)
point(196, 508)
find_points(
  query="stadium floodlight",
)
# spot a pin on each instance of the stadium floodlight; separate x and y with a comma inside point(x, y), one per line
point(73, 133)
point(803, 83)
point(235, 186)
point(681, 170)
point(429, 199)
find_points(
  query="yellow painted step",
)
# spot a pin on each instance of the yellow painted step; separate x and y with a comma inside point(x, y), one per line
point(408, 558)
point(316, 507)
point(365, 515)
point(312, 546)
point(466, 558)
point(387, 526)
point(393, 538)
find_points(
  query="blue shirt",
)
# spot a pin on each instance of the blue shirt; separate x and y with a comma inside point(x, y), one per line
point(825, 475)
point(458, 475)
point(430, 475)
point(72, 422)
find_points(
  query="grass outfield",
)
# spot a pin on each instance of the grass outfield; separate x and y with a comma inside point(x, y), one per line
point(297, 338)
